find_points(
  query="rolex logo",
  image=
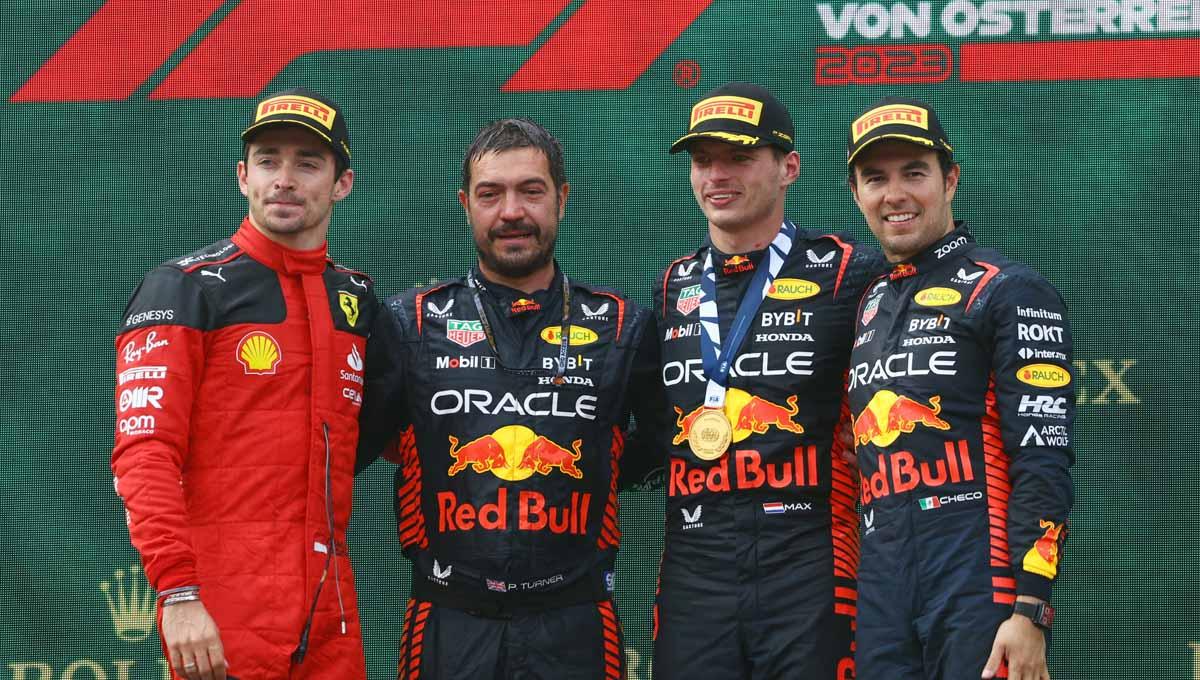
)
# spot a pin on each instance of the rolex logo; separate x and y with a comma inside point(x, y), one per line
point(130, 603)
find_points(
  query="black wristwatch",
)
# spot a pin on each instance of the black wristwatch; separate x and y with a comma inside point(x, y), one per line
point(1041, 613)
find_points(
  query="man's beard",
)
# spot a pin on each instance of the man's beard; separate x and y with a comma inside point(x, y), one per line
point(516, 265)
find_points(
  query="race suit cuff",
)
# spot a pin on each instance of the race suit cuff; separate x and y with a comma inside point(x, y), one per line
point(1034, 585)
point(178, 575)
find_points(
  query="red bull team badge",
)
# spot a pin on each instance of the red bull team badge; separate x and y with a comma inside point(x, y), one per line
point(1043, 557)
point(737, 264)
point(513, 453)
point(522, 305)
point(888, 415)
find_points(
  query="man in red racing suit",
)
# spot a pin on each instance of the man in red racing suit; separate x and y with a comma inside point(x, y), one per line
point(239, 379)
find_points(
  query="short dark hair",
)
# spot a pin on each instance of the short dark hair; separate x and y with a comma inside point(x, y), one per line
point(515, 133)
point(339, 165)
point(944, 162)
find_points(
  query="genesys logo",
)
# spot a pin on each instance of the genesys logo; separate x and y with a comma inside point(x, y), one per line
point(238, 55)
point(897, 43)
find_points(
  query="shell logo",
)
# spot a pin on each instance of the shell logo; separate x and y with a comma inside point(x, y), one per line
point(259, 353)
point(937, 297)
point(1044, 375)
point(793, 289)
point(578, 335)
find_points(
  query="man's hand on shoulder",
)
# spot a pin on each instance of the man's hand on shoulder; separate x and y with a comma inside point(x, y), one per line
point(193, 642)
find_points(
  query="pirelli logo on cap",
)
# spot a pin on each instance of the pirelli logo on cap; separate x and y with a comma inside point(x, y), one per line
point(892, 114)
point(726, 106)
point(296, 105)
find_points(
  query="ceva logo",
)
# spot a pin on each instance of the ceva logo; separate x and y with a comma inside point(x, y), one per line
point(602, 45)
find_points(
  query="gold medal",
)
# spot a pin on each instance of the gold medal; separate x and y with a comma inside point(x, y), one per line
point(710, 434)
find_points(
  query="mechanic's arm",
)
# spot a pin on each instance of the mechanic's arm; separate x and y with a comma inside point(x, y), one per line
point(645, 455)
point(160, 363)
point(1035, 407)
point(383, 407)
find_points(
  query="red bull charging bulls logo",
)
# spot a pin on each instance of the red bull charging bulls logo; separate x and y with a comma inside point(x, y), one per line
point(1043, 557)
point(888, 415)
point(748, 414)
point(513, 453)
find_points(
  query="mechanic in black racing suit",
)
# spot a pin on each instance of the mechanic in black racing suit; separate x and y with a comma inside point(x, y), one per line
point(515, 384)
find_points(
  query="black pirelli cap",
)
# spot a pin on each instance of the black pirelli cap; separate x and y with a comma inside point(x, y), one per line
point(307, 109)
point(742, 114)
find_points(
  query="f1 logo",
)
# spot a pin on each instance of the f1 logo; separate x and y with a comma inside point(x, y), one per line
point(602, 45)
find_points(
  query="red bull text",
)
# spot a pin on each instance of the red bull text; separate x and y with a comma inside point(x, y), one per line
point(532, 512)
point(899, 472)
point(749, 472)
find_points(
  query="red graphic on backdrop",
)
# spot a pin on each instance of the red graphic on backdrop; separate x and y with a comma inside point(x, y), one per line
point(603, 45)
point(687, 73)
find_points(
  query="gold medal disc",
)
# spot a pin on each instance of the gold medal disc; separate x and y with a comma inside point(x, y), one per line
point(710, 434)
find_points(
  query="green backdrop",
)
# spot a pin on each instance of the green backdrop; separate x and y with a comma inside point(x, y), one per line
point(1075, 123)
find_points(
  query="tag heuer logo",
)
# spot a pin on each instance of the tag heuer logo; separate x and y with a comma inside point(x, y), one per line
point(689, 300)
point(871, 309)
point(464, 333)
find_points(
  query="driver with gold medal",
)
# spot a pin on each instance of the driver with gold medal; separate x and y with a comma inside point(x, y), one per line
point(757, 577)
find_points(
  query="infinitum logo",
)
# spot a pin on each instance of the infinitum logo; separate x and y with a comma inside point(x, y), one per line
point(599, 46)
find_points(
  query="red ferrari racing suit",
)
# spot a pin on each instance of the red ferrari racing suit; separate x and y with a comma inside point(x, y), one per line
point(239, 379)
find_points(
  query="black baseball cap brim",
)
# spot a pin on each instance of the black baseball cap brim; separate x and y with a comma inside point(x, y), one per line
point(748, 141)
point(742, 114)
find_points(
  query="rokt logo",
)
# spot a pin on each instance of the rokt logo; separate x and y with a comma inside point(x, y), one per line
point(108, 59)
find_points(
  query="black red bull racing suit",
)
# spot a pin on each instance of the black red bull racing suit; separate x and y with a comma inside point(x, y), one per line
point(961, 389)
point(506, 495)
point(757, 577)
